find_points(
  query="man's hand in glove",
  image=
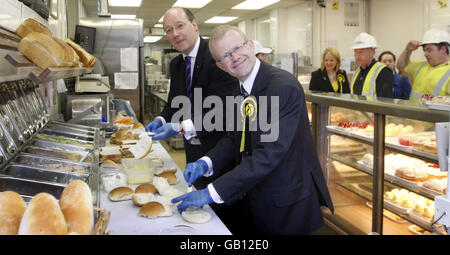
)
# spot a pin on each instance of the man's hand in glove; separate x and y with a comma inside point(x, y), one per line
point(166, 131)
point(194, 171)
point(196, 198)
point(152, 126)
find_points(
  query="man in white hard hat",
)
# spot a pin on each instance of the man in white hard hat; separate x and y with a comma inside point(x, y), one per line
point(372, 78)
point(431, 77)
point(261, 52)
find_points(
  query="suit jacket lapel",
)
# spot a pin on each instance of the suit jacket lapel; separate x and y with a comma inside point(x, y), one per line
point(199, 60)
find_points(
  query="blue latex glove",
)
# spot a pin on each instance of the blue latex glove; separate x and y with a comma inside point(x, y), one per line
point(197, 198)
point(166, 131)
point(152, 126)
point(194, 171)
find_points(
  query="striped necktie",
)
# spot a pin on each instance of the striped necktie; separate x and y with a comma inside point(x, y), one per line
point(188, 78)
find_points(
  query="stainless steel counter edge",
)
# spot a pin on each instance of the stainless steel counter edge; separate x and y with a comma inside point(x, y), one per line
point(388, 106)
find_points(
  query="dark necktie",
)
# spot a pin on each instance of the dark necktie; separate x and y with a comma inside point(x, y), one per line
point(188, 78)
point(245, 137)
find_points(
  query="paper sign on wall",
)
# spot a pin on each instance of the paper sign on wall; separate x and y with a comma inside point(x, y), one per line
point(126, 80)
point(129, 60)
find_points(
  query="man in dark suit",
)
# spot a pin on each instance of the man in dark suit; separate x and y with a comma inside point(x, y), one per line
point(194, 69)
point(280, 175)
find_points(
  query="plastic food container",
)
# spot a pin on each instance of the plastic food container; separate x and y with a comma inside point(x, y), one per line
point(138, 170)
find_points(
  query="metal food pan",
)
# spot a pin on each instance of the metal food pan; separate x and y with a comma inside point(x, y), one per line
point(65, 140)
point(53, 163)
point(68, 134)
point(84, 127)
point(70, 129)
point(54, 152)
point(41, 174)
point(27, 189)
point(58, 146)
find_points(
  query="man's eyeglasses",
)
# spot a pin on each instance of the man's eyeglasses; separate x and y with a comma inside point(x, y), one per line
point(227, 56)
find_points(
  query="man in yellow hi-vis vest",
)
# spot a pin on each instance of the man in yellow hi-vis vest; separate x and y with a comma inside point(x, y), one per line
point(431, 77)
point(372, 78)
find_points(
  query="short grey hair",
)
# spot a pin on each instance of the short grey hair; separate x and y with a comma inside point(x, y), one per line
point(219, 32)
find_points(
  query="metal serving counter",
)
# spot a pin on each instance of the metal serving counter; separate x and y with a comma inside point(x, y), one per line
point(124, 214)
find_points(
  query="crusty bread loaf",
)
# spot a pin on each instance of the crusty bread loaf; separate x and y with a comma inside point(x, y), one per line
point(43, 216)
point(142, 148)
point(71, 58)
point(152, 210)
point(12, 208)
point(86, 58)
point(42, 50)
point(120, 194)
point(76, 205)
point(31, 25)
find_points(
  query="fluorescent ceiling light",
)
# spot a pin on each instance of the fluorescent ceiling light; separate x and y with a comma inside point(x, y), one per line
point(158, 25)
point(125, 3)
point(152, 38)
point(191, 4)
point(122, 16)
point(220, 19)
point(254, 4)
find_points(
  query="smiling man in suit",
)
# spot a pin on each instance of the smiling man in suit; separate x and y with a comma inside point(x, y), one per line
point(193, 69)
point(282, 178)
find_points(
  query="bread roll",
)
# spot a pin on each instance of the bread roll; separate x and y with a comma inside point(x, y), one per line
point(142, 148)
point(140, 199)
point(70, 56)
point(43, 216)
point(30, 25)
point(196, 215)
point(76, 205)
point(145, 188)
point(12, 208)
point(87, 59)
point(120, 194)
point(170, 176)
point(152, 210)
point(42, 50)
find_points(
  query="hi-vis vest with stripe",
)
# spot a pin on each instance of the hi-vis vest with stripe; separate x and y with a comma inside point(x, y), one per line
point(432, 82)
point(369, 87)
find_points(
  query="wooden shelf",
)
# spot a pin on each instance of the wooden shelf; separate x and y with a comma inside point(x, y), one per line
point(39, 75)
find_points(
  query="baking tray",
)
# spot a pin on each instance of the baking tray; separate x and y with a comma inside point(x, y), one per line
point(60, 153)
point(41, 174)
point(53, 163)
point(27, 189)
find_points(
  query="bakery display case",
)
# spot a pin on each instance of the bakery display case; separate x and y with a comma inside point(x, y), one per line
point(380, 160)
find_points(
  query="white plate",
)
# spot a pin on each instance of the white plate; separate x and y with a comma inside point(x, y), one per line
point(178, 230)
point(442, 107)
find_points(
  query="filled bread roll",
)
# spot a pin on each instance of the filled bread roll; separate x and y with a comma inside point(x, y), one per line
point(152, 210)
point(170, 176)
point(29, 26)
point(42, 50)
point(43, 216)
point(145, 188)
point(196, 215)
point(12, 207)
point(142, 148)
point(76, 205)
point(86, 58)
point(120, 194)
point(143, 194)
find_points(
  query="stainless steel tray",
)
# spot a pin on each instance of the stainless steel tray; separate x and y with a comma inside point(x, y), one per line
point(41, 174)
point(53, 163)
point(61, 153)
point(66, 140)
point(68, 134)
point(27, 189)
point(84, 127)
point(71, 129)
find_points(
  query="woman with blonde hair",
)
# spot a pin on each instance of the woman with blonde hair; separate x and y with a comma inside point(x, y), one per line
point(329, 77)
